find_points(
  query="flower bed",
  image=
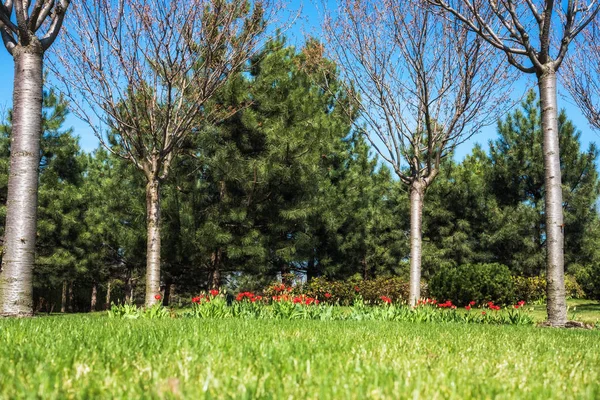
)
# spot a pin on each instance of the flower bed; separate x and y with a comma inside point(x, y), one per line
point(286, 305)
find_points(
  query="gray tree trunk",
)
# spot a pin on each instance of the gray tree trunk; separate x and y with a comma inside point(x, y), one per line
point(71, 298)
point(215, 274)
point(153, 244)
point(555, 270)
point(94, 297)
point(16, 287)
point(63, 304)
point(108, 289)
point(417, 192)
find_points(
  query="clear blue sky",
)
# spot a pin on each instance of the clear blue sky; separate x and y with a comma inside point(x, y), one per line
point(306, 24)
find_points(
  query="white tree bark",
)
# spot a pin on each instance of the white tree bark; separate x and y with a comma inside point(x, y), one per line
point(94, 297)
point(153, 242)
point(555, 270)
point(27, 49)
point(16, 287)
point(417, 193)
point(108, 290)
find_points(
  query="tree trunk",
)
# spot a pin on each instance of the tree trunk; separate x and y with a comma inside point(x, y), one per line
point(16, 286)
point(365, 268)
point(71, 297)
point(167, 296)
point(215, 274)
point(153, 244)
point(63, 304)
point(94, 297)
point(555, 270)
point(311, 270)
point(129, 288)
point(215, 279)
point(108, 289)
point(417, 192)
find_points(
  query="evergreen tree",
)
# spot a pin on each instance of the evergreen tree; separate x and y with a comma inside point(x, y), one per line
point(357, 229)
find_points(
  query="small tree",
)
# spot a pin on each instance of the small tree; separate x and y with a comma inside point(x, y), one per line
point(525, 32)
point(140, 72)
point(422, 84)
point(27, 49)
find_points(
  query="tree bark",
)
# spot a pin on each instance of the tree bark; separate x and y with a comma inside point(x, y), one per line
point(555, 270)
point(153, 244)
point(63, 304)
point(215, 274)
point(16, 286)
point(108, 289)
point(167, 294)
point(94, 297)
point(215, 279)
point(417, 192)
point(129, 287)
point(71, 297)
point(311, 270)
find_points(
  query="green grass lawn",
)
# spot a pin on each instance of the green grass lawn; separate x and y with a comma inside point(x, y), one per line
point(83, 356)
point(587, 311)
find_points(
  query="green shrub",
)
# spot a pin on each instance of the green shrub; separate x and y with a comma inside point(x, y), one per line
point(473, 282)
point(533, 288)
point(345, 292)
point(530, 289)
point(588, 276)
point(572, 288)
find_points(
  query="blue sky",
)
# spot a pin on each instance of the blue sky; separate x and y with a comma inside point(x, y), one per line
point(307, 23)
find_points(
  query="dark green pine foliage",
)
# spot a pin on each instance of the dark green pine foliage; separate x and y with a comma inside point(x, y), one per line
point(114, 223)
point(246, 201)
point(457, 216)
point(358, 229)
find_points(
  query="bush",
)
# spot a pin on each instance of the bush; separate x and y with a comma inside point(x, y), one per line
point(473, 282)
point(534, 288)
point(344, 292)
point(588, 277)
point(530, 289)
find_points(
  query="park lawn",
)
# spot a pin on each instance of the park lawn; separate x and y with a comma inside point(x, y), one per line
point(587, 311)
point(83, 356)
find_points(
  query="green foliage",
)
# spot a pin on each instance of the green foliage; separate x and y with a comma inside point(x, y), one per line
point(473, 282)
point(530, 289)
point(345, 291)
point(131, 311)
point(533, 289)
point(589, 278)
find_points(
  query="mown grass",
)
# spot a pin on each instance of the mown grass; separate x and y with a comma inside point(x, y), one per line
point(587, 311)
point(84, 356)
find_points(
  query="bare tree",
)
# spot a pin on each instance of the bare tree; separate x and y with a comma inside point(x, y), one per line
point(423, 85)
point(526, 32)
point(140, 72)
point(582, 74)
point(27, 30)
